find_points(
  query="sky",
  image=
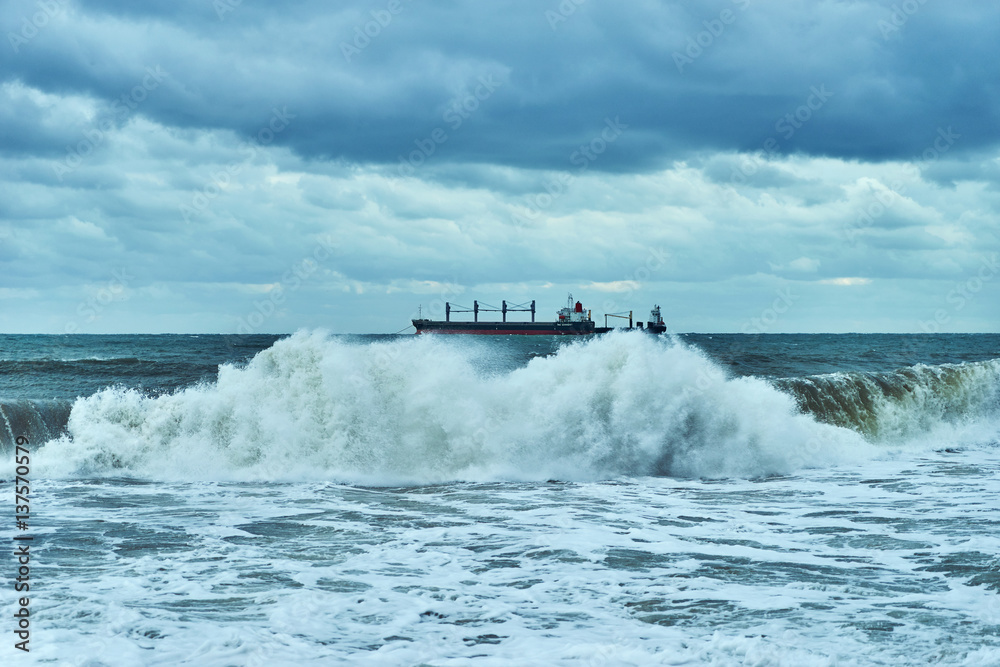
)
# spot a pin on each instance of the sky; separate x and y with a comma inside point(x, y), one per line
point(757, 166)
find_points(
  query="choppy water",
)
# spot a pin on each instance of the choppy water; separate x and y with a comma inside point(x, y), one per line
point(765, 500)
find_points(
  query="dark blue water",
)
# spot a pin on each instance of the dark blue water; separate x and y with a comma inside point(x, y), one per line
point(69, 366)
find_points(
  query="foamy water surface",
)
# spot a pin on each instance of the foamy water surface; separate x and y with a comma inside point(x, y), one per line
point(628, 500)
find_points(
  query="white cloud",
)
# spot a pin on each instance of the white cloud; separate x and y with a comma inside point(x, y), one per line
point(804, 264)
point(617, 286)
point(846, 282)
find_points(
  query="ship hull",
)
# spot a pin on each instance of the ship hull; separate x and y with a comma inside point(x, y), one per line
point(506, 328)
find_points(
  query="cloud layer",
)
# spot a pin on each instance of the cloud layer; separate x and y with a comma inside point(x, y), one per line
point(181, 166)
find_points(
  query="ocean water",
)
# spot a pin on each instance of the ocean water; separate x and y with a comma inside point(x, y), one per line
point(416, 500)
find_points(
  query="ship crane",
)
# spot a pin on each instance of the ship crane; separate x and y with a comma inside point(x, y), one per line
point(622, 315)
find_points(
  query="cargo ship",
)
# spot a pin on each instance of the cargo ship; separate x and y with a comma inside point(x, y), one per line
point(572, 320)
point(656, 324)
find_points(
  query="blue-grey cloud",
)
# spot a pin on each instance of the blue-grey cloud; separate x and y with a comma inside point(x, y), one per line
point(738, 147)
point(710, 76)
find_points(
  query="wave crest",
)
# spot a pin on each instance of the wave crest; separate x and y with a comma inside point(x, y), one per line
point(37, 420)
point(907, 403)
point(419, 411)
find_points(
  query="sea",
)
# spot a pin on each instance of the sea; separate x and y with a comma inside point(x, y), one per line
point(622, 499)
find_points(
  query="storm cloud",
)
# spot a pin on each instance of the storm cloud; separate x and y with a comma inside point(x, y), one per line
point(196, 162)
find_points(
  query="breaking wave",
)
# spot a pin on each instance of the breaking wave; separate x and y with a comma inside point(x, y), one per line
point(422, 410)
point(905, 404)
point(39, 421)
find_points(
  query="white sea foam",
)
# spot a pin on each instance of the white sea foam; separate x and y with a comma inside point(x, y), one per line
point(422, 411)
point(890, 563)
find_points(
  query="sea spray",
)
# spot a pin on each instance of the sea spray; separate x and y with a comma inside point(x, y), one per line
point(419, 411)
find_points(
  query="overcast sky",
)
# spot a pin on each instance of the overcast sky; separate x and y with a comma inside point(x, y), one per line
point(751, 165)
